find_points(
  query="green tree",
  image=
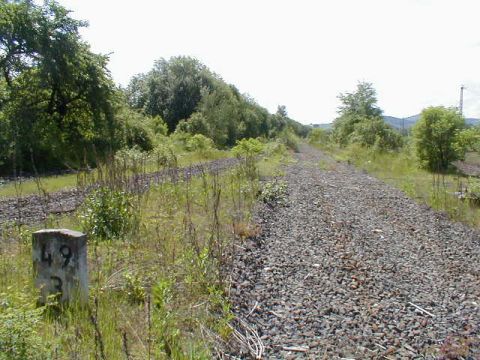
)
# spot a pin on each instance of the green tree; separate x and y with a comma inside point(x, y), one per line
point(375, 133)
point(435, 135)
point(360, 121)
point(172, 89)
point(318, 136)
point(358, 106)
point(192, 99)
point(468, 140)
point(57, 97)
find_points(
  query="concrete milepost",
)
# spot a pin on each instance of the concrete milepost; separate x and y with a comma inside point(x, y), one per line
point(60, 265)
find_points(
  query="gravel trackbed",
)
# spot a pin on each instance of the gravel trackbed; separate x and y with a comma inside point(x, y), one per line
point(351, 268)
point(33, 209)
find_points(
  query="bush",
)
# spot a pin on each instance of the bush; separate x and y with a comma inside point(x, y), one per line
point(180, 138)
point(133, 159)
point(136, 130)
point(289, 139)
point(435, 134)
point(248, 150)
point(274, 192)
point(108, 214)
point(318, 136)
point(19, 339)
point(164, 156)
point(274, 148)
point(375, 133)
point(200, 143)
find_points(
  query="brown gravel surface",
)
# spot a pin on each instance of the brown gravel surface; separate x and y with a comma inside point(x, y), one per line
point(351, 268)
point(33, 209)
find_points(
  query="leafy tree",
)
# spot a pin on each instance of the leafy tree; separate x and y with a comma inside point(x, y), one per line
point(355, 107)
point(135, 129)
point(360, 121)
point(375, 133)
point(282, 111)
point(172, 89)
point(318, 135)
point(57, 98)
point(192, 99)
point(435, 135)
point(467, 140)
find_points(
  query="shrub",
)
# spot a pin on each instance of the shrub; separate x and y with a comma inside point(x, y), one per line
point(108, 214)
point(164, 156)
point(132, 159)
point(200, 143)
point(289, 139)
point(248, 148)
point(318, 136)
point(274, 192)
point(19, 339)
point(377, 134)
point(136, 130)
point(435, 134)
point(274, 148)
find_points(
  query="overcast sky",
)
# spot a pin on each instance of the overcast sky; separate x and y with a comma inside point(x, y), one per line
point(301, 53)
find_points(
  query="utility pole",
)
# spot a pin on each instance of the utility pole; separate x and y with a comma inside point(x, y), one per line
point(460, 108)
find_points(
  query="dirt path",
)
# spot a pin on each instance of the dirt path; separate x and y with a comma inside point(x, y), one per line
point(33, 209)
point(352, 268)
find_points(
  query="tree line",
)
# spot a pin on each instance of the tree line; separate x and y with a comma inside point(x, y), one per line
point(438, 138)
point(60, 108)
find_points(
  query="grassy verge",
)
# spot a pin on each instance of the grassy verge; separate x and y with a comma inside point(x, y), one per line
point(401, 170)
point(54, 183)
point(156, 292)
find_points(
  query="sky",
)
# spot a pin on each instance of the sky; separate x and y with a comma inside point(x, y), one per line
point(302, 53)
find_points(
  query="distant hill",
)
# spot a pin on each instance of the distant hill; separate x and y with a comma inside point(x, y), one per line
point(399, 123)
point(322, 126)
point(408, 122)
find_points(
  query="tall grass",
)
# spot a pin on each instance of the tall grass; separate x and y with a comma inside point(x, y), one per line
point(53, 183)
point(400, 169)
point(158, 290)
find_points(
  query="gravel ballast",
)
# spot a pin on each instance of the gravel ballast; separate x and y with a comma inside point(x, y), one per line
point(32, 209)
point(351, 268)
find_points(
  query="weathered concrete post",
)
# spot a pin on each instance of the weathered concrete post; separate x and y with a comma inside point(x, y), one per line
point(60, 264)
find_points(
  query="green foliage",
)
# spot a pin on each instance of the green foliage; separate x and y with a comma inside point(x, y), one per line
point(108, 214)
point(318, 136)
point(194, 100)
point(130, 160)
point(435, 135)
point(467, 140)
point(274, 192)
point(164, 156)
point(158, 125)
point(360, 121)
point(19, 337)
point(167, 331)
point(273, 148)
point(377, 134)
point(57, 98)
point(200, 143)
point(196, 124)
point(472, 193)
point(248, 148)
point(172, 89)
point(138, 129)
point(289, 139)
point(134, 287)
